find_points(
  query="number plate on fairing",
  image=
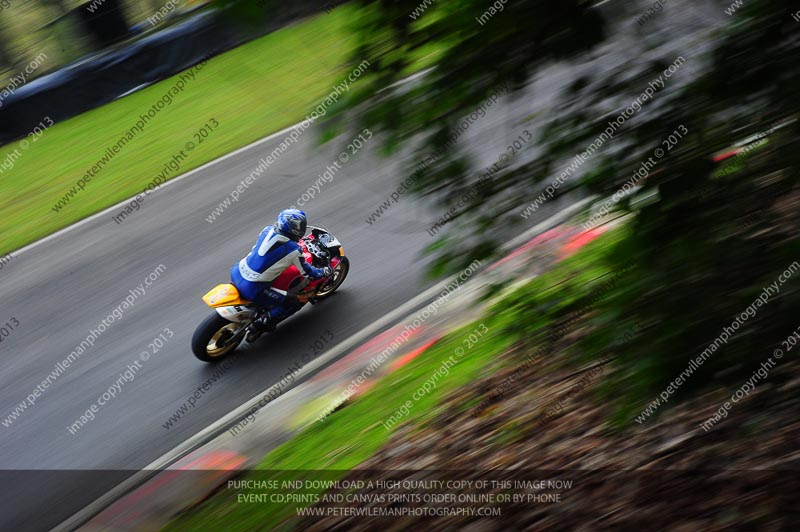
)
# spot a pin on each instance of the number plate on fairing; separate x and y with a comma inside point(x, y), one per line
point(236, 313)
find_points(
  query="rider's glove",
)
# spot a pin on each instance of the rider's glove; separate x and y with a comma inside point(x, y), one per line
point(326, 271)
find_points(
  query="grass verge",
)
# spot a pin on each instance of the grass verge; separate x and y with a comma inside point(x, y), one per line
point(350, 435)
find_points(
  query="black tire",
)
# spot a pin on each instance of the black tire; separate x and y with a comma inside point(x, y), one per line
point(340, 273)
point(205, 333)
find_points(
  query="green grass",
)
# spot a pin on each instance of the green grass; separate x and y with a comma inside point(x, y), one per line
point(350, 435)
point(253, 90)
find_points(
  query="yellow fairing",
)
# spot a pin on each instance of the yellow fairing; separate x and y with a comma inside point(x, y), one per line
point(224, 295)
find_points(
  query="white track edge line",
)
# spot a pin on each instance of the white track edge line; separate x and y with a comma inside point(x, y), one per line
point(180, 177)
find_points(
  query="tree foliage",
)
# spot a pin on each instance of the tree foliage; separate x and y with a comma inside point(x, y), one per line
point(703, 246)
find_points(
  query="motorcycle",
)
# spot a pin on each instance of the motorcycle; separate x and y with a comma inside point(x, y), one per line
point(222, 332)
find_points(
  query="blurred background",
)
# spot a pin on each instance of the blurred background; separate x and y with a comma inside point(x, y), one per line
point(66, 30)
point(662, 134)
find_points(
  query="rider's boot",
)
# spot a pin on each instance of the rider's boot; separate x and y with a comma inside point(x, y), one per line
point(264, 323)
point(268, 320)
point(267, 323)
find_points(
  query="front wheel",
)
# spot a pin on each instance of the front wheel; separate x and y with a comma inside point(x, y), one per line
point(339, 274)
point(211, 341)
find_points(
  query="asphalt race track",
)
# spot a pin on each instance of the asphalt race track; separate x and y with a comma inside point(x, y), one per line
point(60, 289)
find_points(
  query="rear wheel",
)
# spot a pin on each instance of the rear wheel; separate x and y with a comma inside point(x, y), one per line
point(211, 341)
point(339, 274)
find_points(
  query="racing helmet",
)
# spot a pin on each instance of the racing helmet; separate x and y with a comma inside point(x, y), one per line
point(292, 224)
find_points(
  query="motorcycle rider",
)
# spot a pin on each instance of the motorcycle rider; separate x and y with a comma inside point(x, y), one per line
point(275, 250)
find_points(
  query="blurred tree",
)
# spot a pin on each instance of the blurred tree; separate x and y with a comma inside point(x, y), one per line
point(63, 28)
point(478, 46)
point(7, 60)
point(697, 269)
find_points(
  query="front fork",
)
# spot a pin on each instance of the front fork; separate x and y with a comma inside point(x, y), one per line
point(246, 326)
point(240, 333)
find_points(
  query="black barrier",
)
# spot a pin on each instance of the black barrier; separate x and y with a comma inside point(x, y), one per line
point(105, 77)
point(82, 86)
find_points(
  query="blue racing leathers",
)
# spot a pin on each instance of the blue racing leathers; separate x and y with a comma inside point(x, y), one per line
point(272, 254)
